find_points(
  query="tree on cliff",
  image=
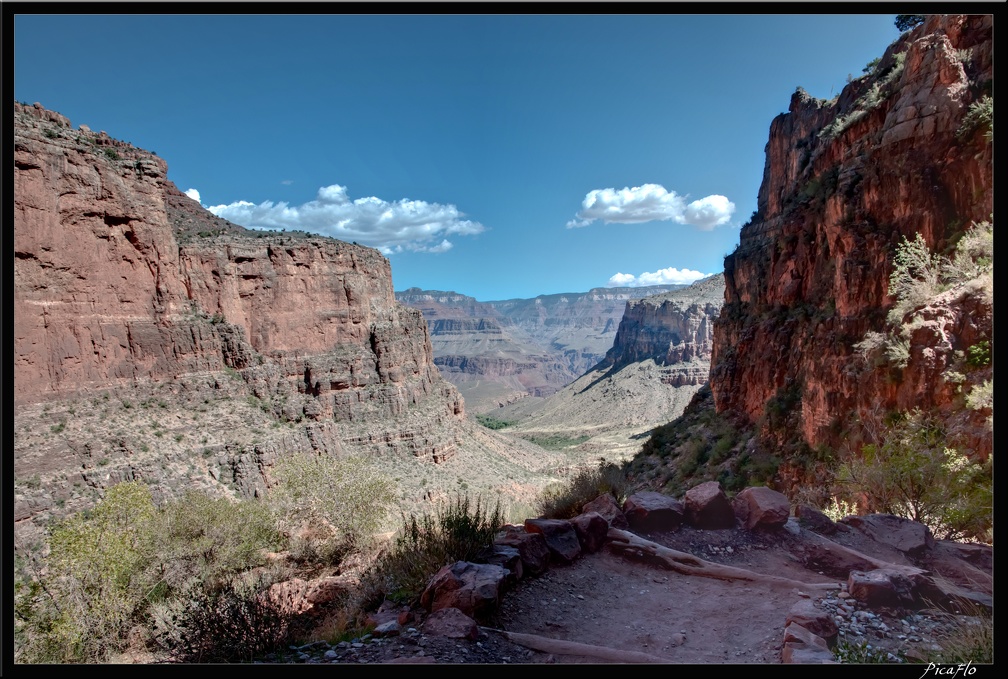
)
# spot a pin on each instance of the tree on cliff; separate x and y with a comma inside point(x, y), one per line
point(904, 22)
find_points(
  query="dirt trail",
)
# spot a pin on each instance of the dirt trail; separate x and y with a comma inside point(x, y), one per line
point(609, 600)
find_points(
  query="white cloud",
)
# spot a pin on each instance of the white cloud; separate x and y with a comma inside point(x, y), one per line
point(622, 280)
point(669, 276)
point(709, 212)
point(193, 193)
point(651, 203)
point(413, 225)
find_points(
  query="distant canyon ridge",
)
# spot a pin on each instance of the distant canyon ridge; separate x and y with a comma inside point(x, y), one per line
point(498, 352)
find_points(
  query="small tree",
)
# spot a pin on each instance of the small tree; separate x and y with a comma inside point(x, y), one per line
point(904, 22)
point(913, 472)
point(347, 498)
point(915, 277)
point(95, 585)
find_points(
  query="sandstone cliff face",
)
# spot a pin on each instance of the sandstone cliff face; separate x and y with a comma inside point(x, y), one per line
point(844, 182)
point(121, 280)
point(673, 328)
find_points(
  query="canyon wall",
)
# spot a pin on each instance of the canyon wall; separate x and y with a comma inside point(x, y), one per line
point(845, 181)
point(675, 329)
point(502, 351)
point(120, 281)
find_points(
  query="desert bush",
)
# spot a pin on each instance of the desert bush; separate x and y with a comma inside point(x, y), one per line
point(347, 497)
point(94, 585)
point(457, 531)
point(210, 539)
point(491, 422)
point(914, 278)
point(565, 500)
point(913, 472)
point(918, 276)
point(839, 509)
point(982, 396)
point(232, 622)
point(979, 115)
point(973, 256)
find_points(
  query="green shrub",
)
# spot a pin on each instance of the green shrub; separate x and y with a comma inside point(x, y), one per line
point(349, 498)
point(980, 115)
point(93, 587)
point(211, 539)
point(457, 531)
point(973, 256)
point(491, 422)
point(565, 500)
point(554, 441)
point(111, 154)
point(979, 355)
point(913, 472)
point(914, 278)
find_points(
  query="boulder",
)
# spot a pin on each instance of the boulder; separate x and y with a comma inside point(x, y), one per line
point(761, 507)
point(797, 653)
point(905, 535)
point(708, 507)
point(887, 586)
point(472, 588)
point(451, 623)
point(812, 619)
point(605, 505)
point(813, 519)
point(651, 510)
point(794, 632)
point(506, 556)
point(561, 538)
point(591, 529)
point(531, 547)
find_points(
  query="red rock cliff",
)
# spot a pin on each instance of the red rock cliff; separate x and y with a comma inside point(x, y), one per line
point(119, 278)
point(844, 182)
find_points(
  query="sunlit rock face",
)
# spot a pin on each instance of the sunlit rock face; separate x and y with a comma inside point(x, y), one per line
point(844, 182)
point(119, 278)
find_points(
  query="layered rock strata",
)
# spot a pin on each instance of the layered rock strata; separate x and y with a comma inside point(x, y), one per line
point(121, 280)
point(845, 182)
point(675, 329)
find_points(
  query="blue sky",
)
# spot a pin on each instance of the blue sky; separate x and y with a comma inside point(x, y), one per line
point(499, 156)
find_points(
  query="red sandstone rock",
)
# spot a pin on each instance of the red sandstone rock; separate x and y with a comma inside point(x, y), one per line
point(648, 509)
point(561, 538)
point(472, 588)
point(830, 211)
point(451, 623)
point(531, 546)
point(591, 529)
point(708, 507)
point(113, 285)
point(761, 507)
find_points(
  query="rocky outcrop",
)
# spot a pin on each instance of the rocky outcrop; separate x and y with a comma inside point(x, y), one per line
point(844, 182)
point(497, 352)
point(672, 328)
point(580, 326)
point(121, 280)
